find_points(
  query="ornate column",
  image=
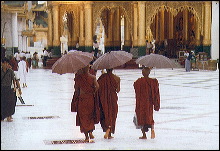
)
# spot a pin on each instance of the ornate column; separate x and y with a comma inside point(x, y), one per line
point(127, 40)
point(81, 28)
point(117, 31)
point(157, 27)
point(170, 25)
point(206, 43)
point(56, 40)
point(141, 31)
point(135, 41)
point(50, 25)
point(162, 24)
point(197, 31)
point(185, 26)
point(207, 23)
point(88, 27)
point(109, 37)
point(14, 27)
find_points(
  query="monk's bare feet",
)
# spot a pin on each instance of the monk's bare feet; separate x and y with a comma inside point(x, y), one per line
point(143, 137)
point(110, 137)
point(87, 140)
point(152, 134)
point(91, 136)
point(107, 133)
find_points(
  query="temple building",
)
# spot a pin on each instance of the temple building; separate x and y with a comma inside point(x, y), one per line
point(172, 26)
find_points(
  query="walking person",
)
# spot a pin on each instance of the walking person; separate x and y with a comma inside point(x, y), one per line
point(84, 102)
point(45, 57)
point(22, 72)
point(147, 99)
point(188, 61)
point(8, 97)
point(109, 86)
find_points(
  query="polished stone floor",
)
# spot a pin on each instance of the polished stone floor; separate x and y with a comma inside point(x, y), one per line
point(188, 118)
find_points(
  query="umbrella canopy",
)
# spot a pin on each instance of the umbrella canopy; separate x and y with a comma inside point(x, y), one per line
point(71, 62)
point(111, 59)
point(156, 60)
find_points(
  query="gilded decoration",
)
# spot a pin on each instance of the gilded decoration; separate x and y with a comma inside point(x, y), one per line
point(74, 10)
point(152, 8)
point(98, 8)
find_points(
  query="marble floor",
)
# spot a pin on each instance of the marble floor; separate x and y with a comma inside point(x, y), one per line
point(187, 120)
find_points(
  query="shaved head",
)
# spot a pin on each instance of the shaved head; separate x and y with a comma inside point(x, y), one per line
point(146, 71)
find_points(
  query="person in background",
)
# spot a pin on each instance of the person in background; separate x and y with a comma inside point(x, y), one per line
point(147, 98)
point(22, 71)
point(8, 97)
point(35, 60)
point(28, 57)
point(86, 106)
point(188, 56)
point(96, 47)
point(17, 56)
point(109, 86)
point(45, 57)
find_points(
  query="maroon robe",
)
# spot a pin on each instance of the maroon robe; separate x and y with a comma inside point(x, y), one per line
point(108, 101)
point(86, 106)
point(147, 99)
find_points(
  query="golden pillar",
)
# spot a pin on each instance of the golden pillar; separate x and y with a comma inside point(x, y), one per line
point(50, 29)
point(109, 36)
point(141, 22)
point(207, 23)
point(170, 25)
point(56, 40)
point(81, 32)
point(185, 25)
point(162, 24)
point(197, 31)
point(127, 40)
point(135, 26)
point(88, 24)
point(117, 31)
point(157, 27)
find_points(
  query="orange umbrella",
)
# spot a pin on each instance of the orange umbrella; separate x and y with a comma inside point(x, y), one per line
point(72, 62)
point(156, 60)
point(111, 59)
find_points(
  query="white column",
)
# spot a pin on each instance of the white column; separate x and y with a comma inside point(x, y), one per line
point(14, 27)
point(215, 31)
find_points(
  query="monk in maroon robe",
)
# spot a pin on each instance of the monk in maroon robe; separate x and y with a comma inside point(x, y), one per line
point(147, 99)
point(86, 107)
point(109, 86)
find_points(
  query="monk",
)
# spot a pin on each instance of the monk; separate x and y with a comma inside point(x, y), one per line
point(86, 107)
point(147, 99)
point(109, 86)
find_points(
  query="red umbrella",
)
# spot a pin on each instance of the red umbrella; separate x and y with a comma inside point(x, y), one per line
point(72, 62)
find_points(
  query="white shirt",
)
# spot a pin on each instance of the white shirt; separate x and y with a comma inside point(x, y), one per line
point(17, 56)
point(45, 53)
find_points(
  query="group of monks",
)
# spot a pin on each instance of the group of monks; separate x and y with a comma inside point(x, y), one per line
point(96, 101)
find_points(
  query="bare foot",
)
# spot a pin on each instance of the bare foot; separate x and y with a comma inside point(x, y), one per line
point(87, 140)
point(9, 119)
point(110, 137)
point(91, 136)
point(107, 133)
point(152, 134)
point(143, 137)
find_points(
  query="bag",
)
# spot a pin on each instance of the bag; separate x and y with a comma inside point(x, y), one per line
point(135, 122)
